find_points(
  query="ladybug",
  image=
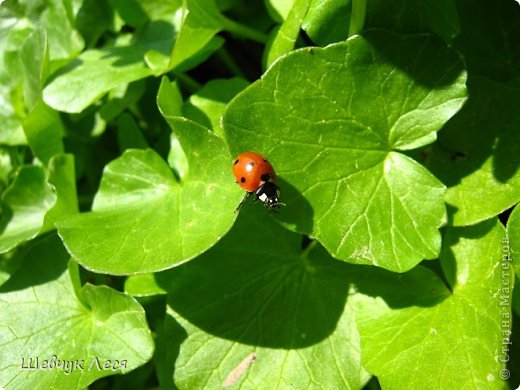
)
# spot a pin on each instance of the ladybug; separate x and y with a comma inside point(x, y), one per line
point(256, 175)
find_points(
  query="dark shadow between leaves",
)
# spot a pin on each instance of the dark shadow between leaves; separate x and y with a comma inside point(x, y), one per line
point(484, 127)
point(73, 64)
point(5, 217)
point(167, 347)
point(506, 161)
point(35, 268)
point(258, 288)
point(451, 238)
point(418, 287)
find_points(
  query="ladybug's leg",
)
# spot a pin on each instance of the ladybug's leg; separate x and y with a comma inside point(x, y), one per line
point(247, 195)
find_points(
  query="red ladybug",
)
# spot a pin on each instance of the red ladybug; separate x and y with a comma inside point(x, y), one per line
point(256, 175)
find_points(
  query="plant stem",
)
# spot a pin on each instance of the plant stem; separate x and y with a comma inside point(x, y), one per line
point(244, 31)
point(357, 17)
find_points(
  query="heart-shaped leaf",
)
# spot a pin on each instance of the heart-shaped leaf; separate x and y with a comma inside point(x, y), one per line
point(45, 328)
point(333, 120)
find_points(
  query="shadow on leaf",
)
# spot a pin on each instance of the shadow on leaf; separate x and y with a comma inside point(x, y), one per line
point(32, 270)
point(484, 128)
point(423, 57)
point(298, 212)
point(257, 287)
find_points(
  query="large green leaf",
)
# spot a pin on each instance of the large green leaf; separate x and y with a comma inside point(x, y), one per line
point(97, 71)
point(144, 220)
point(41, 318)
point(425, 347)
point(476, 155)
point(258, 312)
point(333, 120)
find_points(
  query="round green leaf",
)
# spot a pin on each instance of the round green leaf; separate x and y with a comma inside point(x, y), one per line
point(143, 220)
point(332, 122)
point(41, 317)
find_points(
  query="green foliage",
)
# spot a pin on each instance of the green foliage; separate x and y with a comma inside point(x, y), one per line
point(469, 259)
point(42, 316)
point(393, 130)
point(340, 156)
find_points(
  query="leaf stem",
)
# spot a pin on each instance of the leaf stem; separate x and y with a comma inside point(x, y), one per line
point(357, 17)
point(244, 31)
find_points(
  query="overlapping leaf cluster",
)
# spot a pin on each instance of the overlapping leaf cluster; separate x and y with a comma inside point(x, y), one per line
point(393, 128)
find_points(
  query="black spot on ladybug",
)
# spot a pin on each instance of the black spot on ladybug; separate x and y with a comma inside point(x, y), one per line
point(242, 179)
point(265, 177)
point(266, 160)
point(236, 161)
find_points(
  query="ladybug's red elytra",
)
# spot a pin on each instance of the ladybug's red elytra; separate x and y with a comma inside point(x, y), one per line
point(256, 175)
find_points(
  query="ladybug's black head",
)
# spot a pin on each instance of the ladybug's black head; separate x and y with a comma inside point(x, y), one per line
point(269, 194)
